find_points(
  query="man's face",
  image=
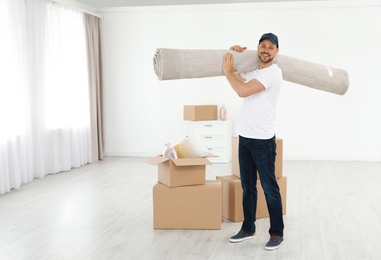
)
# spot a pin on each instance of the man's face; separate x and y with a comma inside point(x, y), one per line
point(267, 51)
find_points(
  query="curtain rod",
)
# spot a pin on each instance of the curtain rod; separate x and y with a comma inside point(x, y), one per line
point(76, 5)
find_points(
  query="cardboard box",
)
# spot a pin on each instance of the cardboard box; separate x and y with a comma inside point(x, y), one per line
point(232, 198)
point(278, 159)
point(235, 160)
point(190, 207)
point(180, 172)
point(201, 112)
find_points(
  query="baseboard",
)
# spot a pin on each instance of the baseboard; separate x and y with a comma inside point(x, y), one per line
point(345, 158)
point(331, 158)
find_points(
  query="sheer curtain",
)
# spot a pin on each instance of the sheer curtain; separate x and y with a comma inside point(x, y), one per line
point(44, 95)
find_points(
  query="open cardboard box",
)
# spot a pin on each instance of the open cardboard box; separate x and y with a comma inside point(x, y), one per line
point(180, 172)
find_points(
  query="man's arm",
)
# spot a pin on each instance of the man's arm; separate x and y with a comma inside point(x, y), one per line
point(242, 88)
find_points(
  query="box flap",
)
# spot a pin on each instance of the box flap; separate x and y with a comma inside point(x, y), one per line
point(181, 162)
point(156, 160)
point(191, 161)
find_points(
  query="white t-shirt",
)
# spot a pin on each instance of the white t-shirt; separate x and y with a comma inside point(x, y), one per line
point(257, 119)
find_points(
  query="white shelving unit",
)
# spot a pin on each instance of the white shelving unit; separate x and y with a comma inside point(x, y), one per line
point(217, 136)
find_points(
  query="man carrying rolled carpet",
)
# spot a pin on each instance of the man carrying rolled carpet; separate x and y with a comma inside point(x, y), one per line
point(256, 128)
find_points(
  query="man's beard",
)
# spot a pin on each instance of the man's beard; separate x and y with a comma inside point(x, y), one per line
point(265, 61)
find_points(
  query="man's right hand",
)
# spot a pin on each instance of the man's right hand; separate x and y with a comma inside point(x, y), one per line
point(237, 48)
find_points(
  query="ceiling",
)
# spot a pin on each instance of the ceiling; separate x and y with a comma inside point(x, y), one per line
point(126, 3)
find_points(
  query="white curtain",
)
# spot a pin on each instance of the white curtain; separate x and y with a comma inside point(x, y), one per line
point(44, 95)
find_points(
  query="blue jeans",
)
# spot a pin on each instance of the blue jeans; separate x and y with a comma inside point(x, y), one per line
point(259, 155)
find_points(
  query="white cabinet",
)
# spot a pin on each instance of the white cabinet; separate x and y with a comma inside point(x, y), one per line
point(216, 135)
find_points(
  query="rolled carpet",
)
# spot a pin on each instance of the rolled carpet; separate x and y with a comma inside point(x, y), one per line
point(182, 64)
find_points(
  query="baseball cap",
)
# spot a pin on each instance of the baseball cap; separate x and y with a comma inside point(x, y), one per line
point(272, 37)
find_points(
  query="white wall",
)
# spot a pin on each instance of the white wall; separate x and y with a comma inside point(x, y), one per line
point(142, 113)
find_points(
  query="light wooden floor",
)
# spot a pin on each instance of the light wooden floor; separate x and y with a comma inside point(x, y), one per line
point(104, 211)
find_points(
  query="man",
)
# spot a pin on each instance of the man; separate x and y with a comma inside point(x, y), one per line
point(256, 128)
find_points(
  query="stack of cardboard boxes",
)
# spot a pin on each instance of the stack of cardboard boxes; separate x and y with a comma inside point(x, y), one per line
point(183, 198)
point(232, 189)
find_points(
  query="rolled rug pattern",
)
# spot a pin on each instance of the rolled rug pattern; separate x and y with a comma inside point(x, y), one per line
point(191, 63)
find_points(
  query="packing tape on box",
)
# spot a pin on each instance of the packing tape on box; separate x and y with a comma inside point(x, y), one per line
point(186, 64)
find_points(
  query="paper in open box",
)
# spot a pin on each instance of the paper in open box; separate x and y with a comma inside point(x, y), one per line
point(180, 172)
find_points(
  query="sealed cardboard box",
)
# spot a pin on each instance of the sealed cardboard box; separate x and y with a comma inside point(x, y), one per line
point(180, 172)
point(200, 112)
point(278, 159)
point(190, 207)
point(232, 198)
point(235, 160)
